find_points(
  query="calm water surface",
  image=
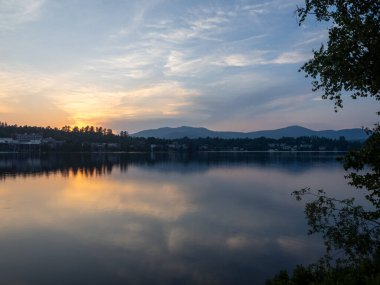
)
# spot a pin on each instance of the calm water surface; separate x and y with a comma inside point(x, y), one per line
point(157, 219)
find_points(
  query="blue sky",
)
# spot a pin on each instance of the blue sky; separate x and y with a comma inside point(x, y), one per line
point(132, 65)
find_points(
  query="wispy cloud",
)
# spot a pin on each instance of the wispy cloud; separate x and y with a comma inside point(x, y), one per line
point(250, 58)
point(137, 18)
point(257, 9)
point(290, 57)
point(169, 45)
point(154, 61)
point(178, 65)
point(16, 12)
point(195, 24)
point(162, 99)
point(268, 6)
point(312, 39)
point(208, 20)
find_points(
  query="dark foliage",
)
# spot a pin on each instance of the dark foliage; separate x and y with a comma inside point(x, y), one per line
point(365, 272)
point(350, 62)
point(91, 138)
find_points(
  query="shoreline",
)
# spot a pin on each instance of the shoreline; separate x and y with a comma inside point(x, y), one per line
point(167, 152)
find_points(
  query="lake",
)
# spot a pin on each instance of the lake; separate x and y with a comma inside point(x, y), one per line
point(207, 218)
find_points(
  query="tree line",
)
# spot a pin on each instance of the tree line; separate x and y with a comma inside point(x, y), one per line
point(91, 138)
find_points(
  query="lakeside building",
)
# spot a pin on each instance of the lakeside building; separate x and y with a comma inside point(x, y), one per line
point(33, 139)
point(29, 142)
point(104, 146)
point(7, 141)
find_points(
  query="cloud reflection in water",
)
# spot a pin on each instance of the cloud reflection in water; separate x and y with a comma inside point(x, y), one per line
point(188, 221)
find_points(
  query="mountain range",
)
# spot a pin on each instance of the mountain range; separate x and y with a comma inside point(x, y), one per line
point(291, 131)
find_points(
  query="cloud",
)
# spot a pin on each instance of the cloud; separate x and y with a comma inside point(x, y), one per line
point(238, 242)
point(135, 64)
point(294, 245)
point(250, 58)
point(75, 99)
point(181, 64)
point(312, 39)
point(202, 63)
point(17, 12)
point(162, 99)
point(268, 6)
point(237, 60)
point(33, 109)
point(201, 23)
point(33, 97)
point(137, 16)
point(26, 98)
point(134, 60)
point(178, 65)
point(257, 9)
point(208, 20)
point(290, 57)
point(264, 57)
point(167, 44)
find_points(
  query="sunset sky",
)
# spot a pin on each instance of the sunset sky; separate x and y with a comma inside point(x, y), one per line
point(138, 64)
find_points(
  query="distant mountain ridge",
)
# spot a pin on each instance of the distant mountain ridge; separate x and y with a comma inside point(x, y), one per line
point(291, 131)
